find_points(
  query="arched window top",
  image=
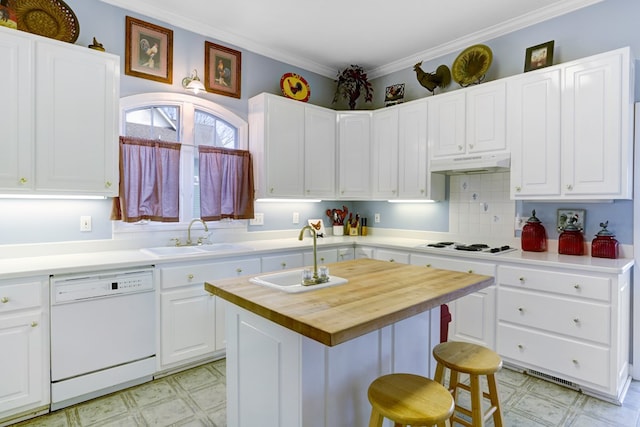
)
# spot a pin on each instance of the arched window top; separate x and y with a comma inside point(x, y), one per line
point(183, 113)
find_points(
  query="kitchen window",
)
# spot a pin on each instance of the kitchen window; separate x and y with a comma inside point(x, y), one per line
point(191, 121)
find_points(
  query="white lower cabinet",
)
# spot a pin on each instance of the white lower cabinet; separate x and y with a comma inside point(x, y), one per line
point(570, 327)
point(473, 317)
point(24, 344)
point(391, 256)
point(282, 261)
point(191, 319)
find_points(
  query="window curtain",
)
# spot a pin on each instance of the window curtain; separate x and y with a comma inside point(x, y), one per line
point(226, 183)
point(149, 181)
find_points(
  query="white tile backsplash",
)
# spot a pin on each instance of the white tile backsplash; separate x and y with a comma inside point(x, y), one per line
point(479, 206)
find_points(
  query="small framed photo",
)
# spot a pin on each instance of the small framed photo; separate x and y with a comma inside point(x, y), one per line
point(148, 51)
point(222, 67)
point(565, 216)
point(394, 94)
point(539, 56)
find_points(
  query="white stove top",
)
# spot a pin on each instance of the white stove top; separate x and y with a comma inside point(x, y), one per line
point(479, 248)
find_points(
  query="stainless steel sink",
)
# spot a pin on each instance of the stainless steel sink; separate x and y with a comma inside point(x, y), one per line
point(291, 281)
point(172, 251)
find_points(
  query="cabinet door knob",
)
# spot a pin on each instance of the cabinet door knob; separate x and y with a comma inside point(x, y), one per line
point(322, 259)
point(520, 347)
point(470, 271)
point(392, 260)
point(271, 190)
point(471, 146)
point(575, 361)
point(4, 300)
point(238, 270)
point(459, 147)
point(190, 276)
point(569, 187)
point(576, 320)
point(23, 180)
point(283, 264)
point(108, 184)
point(521, 309)
point(428, 265)
point(34, 324)
point(518, 189)
point(521, 279)
point(576, 286)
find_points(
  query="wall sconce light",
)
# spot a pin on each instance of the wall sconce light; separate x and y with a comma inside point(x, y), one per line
point(193, 83)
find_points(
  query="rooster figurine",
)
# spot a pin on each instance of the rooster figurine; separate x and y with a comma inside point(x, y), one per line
point(441, 78)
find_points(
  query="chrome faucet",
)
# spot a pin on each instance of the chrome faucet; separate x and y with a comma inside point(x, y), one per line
point(189, 230)
point(316, 278)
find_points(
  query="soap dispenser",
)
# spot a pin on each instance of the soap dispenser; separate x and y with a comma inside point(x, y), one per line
point(534, 236)
point(571, 241)
point(604, 245)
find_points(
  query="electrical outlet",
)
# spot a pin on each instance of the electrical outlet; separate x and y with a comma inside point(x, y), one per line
point(520, 221)
point(376, 218)
point(296, 218)
point(85, 223)
point(258, 219)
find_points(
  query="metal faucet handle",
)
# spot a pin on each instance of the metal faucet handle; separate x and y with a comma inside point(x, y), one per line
point(176, 240)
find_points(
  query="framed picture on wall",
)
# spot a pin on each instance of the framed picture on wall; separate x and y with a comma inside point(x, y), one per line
point(148, 51)
point(539, 56)
point(222, 69)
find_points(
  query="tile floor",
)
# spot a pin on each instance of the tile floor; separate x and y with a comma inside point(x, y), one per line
point(197, 398)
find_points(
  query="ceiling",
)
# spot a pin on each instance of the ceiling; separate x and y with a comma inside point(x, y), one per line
point(324, 36)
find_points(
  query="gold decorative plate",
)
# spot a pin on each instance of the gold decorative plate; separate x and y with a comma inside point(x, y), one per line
point(48, 18)
point(471, 65)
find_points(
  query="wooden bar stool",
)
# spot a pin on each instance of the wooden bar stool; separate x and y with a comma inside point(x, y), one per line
point(408, 399)
point(474, 360)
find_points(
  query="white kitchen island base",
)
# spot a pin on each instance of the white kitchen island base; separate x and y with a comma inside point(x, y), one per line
point(279, 378)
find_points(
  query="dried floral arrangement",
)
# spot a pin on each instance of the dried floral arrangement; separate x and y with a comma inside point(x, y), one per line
point(352, 81)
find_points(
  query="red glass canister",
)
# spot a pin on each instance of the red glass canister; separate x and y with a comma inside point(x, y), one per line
point(534, 236)
point(571, 241)
point(604, 245)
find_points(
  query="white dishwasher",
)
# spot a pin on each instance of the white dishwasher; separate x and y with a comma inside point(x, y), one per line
point(102, 333)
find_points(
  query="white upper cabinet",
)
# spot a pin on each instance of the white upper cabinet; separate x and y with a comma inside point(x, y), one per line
point(59, 117)
point(571, 130)
point(293, 148)
point(354, 146)
point(384, 176)
point(76, 119)
point(320, 152)
point(597, 126)
point(468, 121)
point(16, 111)
point(533, 131)
point(399, 154)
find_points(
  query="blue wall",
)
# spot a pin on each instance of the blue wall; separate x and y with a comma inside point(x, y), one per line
point(601, 27)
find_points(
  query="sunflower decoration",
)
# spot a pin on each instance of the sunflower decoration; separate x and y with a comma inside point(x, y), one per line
point(471, 66)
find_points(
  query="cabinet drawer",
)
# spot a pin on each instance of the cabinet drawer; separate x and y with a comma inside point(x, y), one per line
point(172, 277)
point(461, 265)
point(562, 283)
point(19, 296)
point(565, 358)
point(579, 319)
point(235, 268)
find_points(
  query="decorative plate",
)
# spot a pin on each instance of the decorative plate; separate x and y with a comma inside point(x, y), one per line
point(48, 18)
point(295, 87)
point(471, 65)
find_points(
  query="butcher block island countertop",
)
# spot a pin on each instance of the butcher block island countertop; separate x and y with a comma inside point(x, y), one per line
point(378, 294)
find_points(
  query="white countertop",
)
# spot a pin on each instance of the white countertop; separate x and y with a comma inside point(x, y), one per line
point(111, 259)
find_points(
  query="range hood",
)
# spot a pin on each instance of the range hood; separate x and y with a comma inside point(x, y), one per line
point(472, 164)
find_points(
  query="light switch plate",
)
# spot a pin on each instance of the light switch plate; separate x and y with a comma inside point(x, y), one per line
point(85, 223)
